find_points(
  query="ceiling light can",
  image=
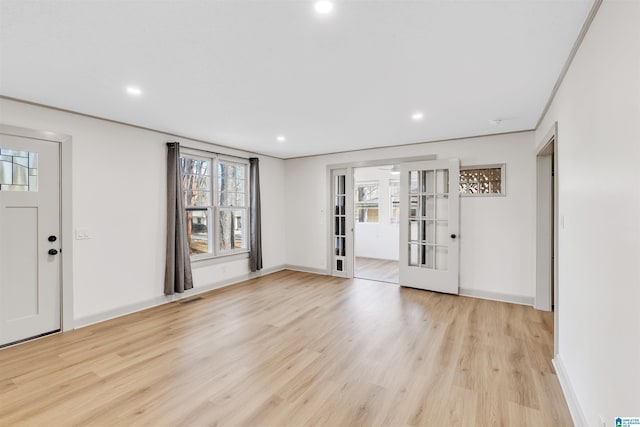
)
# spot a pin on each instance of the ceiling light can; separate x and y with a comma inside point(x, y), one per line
point(323, 6)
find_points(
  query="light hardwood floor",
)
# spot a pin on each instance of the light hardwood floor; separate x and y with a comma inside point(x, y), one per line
point(294, 349)
point(377, 269)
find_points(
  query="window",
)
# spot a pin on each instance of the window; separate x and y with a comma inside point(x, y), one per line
point(216, 202)
point(18, 170)
point(394, 201)
point(367, 198)
point(482, 180)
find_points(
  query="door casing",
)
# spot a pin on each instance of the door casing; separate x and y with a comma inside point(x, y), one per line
point(328, 212)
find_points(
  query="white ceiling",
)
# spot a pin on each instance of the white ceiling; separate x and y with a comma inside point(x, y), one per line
point(241, 72)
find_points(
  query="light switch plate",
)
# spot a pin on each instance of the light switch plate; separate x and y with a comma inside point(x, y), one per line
point(82, 233)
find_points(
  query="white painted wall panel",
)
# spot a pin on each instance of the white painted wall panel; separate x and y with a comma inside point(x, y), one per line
point(598, 113)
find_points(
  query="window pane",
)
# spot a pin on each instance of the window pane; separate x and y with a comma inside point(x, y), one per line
point(231, 177)
point(367, 213)
point(197, 198)
point(367, 192)
point(18, 170)
point(198, 231)
point(232, 199)
point(231, 228)
point(196, 181)
point(481, 181)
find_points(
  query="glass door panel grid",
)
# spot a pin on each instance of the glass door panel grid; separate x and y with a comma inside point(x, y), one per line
point(339, 221)
point(428, 218)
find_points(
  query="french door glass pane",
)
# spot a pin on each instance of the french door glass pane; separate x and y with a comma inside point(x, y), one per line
point(442, 231)
point(413, 182)
point(428, 231)
point(428, 182)
point(442, 258)
point(426, 256)
point(442, 207)
point(339, 247)
point(442, 181)
point(414, 250)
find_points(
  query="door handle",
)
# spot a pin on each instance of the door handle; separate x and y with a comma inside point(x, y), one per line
point(53, 252)
point(453, 236)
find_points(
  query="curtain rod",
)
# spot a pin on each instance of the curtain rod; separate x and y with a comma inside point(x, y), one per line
point(211, 152)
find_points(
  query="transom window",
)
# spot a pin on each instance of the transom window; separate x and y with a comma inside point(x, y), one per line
point(367, 202)
point(482, 180)
point(215, 191)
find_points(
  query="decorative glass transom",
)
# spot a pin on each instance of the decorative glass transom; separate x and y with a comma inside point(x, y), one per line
point(481, 181)
point(18, 170)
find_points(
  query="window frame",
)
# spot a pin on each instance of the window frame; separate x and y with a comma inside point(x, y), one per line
point(503, 181)
point(358, 204)
point(214, 208)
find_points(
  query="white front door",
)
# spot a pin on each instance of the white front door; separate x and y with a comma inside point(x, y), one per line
point(429, 221)
point(29, 238)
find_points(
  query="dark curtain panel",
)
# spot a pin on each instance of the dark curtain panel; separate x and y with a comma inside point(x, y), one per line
point(177, 276)
point(255, 229)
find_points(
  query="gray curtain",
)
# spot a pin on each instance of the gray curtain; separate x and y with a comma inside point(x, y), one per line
point(177, 275)
point(255, 229)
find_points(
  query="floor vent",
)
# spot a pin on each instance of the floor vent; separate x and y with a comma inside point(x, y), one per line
point(189, 301)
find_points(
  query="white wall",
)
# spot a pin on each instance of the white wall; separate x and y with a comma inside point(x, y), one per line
point(598, 113)
point(119, 194)
point(377, 239)
point(497, 234)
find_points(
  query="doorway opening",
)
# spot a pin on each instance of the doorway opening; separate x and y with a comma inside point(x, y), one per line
point(376, 205)
point(547, 225)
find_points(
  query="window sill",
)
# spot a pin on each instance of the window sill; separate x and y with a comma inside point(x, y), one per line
point(219, 259)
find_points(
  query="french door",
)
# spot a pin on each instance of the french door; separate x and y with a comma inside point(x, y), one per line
point(429, 222)
point(29, 238)
point(341, 220)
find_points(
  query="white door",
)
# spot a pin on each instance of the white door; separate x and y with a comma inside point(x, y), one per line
point(29, 238)
point(429, 221)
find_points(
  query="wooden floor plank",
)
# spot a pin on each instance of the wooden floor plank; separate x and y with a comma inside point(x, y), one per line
point(297, 349)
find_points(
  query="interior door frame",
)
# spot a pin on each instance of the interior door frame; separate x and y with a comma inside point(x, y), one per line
point(66, 218)
point(547, 241)
point(328, 211)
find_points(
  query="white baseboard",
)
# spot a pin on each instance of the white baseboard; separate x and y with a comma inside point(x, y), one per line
point(569, 394)
point(305, 269)
point(497, 296)
point(164, 299)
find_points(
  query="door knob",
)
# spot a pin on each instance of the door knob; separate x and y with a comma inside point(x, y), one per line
point(53, 252)
point(453, 236)
point(52, 238)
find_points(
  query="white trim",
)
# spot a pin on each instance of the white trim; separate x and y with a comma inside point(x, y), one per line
point(497, 296)
point(165, 299)
point(577, 415)
point(66, 215)
point(303, 269)
point(548, 146)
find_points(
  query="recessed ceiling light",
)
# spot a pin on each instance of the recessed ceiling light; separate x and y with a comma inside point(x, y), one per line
point(417, 116)
point(133, 90)
point(323, 6)
point(281, 138)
